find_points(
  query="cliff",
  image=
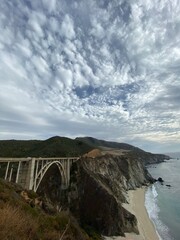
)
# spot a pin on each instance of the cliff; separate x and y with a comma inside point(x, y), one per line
point(147, 157)
point(98, 189)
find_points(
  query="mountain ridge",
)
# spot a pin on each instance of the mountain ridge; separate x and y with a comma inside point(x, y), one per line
point(65, 147)
point(134, 152)
point(97, 142)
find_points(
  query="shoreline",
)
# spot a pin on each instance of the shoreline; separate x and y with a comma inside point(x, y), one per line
point(136, 206)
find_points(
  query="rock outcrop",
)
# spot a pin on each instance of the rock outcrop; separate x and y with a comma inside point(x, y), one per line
point(98, 189)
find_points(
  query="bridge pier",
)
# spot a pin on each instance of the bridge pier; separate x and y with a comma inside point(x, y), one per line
point(7, 169)
point(23, 174)
point(17, 174)
point(30, 174)
point(10, 175)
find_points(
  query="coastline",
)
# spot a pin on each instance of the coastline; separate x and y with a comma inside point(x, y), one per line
point(136, 205)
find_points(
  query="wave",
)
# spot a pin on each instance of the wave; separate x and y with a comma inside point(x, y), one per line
point(154, 192)
point(151, 204)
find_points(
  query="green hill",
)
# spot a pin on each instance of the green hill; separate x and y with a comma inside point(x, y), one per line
point(96, 143)
point(52, 147)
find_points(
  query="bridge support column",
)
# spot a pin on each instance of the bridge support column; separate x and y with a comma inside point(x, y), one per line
point(68, 171)
point(23, 173)
point(10, 176)
point(17, 174)
point(36, 175)
point(30, 174)
point(7, 169)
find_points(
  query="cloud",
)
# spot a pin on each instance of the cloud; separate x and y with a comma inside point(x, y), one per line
point(107, 69)
point(50, 5)
point(67, 28)
point(66, 77)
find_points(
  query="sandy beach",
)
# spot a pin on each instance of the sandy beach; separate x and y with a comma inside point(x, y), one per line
point(136, 206)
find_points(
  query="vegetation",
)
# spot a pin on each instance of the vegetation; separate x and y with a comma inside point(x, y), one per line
point(15, 224)
point(95, 143)
point(24, 219)
point(52, 147)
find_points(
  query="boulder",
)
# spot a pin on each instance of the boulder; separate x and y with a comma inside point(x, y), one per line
point(160, 180)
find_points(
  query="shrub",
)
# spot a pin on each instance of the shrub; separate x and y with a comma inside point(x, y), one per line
point(15, 224)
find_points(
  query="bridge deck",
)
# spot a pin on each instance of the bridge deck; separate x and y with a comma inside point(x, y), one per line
point(39, 159)
point(14, 159)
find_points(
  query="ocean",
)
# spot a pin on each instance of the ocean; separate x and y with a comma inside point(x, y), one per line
point(163, 202)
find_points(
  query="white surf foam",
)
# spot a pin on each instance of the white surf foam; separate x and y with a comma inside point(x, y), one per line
point(151, 203)
point(154, 192)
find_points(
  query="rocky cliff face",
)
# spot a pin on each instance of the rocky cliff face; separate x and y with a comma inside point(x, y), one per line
point(148, 158)
point(98, 189)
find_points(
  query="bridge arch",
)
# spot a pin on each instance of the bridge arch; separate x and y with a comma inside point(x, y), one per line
point(42, 172)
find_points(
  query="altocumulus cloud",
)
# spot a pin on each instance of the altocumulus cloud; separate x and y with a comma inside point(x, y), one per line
point(109, 69)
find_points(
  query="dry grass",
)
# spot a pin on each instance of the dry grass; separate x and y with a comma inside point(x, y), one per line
point(15, 224)
point(18, 224)
point(21, 221)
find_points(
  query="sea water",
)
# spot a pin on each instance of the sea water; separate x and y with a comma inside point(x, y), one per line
point(163, 202)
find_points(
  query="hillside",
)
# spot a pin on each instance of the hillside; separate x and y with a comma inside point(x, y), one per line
point(102, 143)
point(134, 152)
point(52, 147)
point(25, 215)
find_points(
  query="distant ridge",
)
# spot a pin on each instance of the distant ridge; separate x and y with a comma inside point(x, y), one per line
point(52, 147)
point(65, 147)
point(174, 154)
point(134, 152)
point(102, 143)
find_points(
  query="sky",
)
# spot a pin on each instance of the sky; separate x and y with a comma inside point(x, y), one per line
point(109, 69)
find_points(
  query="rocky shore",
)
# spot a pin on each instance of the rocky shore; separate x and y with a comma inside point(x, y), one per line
point(147, 231)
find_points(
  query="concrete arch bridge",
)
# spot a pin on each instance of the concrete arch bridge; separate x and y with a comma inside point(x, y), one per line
point(29, 172)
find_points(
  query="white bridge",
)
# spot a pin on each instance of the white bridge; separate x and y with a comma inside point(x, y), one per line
point(29, 172)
